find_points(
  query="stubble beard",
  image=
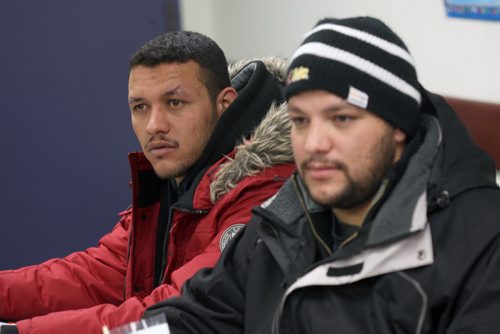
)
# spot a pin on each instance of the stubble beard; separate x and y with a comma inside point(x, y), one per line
point(178, 171)
point(362, 189)
point(181, 169)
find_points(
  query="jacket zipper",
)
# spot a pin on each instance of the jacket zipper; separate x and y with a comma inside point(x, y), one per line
point(279, 311)
point(348, 240)
point(277, 316)
point(308, 216)
point(166, 237)
point(129, 250)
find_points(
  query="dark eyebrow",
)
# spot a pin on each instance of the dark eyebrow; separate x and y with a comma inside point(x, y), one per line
point(336, 108)
point(332, 109)
point(177, 89)
point(170, 92)
point(132, 100)
point(292, 109)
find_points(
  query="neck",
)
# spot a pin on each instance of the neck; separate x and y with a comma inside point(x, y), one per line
point(354, 216)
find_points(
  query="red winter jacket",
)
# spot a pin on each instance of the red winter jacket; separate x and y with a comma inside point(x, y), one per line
point(96, 282)
point(113, 283)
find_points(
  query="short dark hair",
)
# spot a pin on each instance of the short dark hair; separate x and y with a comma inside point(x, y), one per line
point(181, 47)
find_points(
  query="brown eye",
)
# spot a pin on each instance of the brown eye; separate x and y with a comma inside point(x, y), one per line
point(174, 103)
point(343, 118)
point(139, 107)
point(298, 121)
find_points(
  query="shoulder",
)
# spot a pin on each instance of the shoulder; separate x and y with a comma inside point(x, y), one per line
point(257, 186)
point(471, 220)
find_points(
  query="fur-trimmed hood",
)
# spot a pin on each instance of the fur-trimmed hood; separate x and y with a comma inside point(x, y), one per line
point(275, 65)
point(269, 144)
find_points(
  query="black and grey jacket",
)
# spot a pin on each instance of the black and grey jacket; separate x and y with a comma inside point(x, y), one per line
point(427, 259)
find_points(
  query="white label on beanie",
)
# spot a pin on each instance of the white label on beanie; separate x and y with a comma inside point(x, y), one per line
point(357, 97)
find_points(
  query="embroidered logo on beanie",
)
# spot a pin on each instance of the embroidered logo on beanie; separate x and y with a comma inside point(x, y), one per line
point(298, 73)
point(363, 61)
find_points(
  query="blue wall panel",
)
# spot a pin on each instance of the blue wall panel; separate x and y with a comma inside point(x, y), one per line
point(64, 121)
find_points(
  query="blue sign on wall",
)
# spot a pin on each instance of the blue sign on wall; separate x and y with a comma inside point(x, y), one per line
point(474, 9)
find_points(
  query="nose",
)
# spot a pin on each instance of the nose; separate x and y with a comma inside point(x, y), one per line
point(318, 138)
point(157, 121)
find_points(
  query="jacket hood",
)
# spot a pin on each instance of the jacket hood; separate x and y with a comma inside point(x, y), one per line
point(269, 145)
point(276, 66)
point(446, 163)
point(258, 88)
point(461, 164)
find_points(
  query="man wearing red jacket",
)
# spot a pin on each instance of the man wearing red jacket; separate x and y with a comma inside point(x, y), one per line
point(193, 188)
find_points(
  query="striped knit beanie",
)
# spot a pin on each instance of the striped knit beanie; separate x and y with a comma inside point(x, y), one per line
point(363, 61)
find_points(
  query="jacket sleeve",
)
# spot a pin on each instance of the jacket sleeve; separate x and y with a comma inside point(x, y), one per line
point(91, 320)
point(235, 208)
point(478, 305)
point(213, 300)
point(82, 279)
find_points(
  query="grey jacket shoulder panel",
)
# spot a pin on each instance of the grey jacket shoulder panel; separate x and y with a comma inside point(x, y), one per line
point(285, 204)
point(406, 211)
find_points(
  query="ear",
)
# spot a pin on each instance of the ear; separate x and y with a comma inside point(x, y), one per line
point(400, 139)
point(225, 98)
point(399, 136)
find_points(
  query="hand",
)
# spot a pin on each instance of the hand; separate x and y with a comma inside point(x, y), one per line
point(6, 324)
point(8, 328)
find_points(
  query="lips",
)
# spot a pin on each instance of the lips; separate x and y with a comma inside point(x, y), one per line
point(321, 170)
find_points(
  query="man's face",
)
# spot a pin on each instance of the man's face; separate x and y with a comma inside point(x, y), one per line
point(342, 152)
point(172, 115)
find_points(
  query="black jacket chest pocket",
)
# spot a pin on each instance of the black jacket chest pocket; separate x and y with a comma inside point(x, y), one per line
point(393, 303)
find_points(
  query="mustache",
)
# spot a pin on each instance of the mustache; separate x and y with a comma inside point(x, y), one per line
point(316, 161)
point(161, 140)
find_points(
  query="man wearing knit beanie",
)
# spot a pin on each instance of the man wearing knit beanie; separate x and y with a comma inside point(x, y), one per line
point(353, 100)
point(362, 61)
point(390, 225)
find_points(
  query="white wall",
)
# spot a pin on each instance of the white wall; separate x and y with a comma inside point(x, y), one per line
point(456, 57)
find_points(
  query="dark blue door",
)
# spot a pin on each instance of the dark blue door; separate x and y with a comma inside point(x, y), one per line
point(64, 121)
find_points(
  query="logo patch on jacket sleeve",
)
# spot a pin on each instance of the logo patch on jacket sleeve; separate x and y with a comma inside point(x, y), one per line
point(228, 234)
